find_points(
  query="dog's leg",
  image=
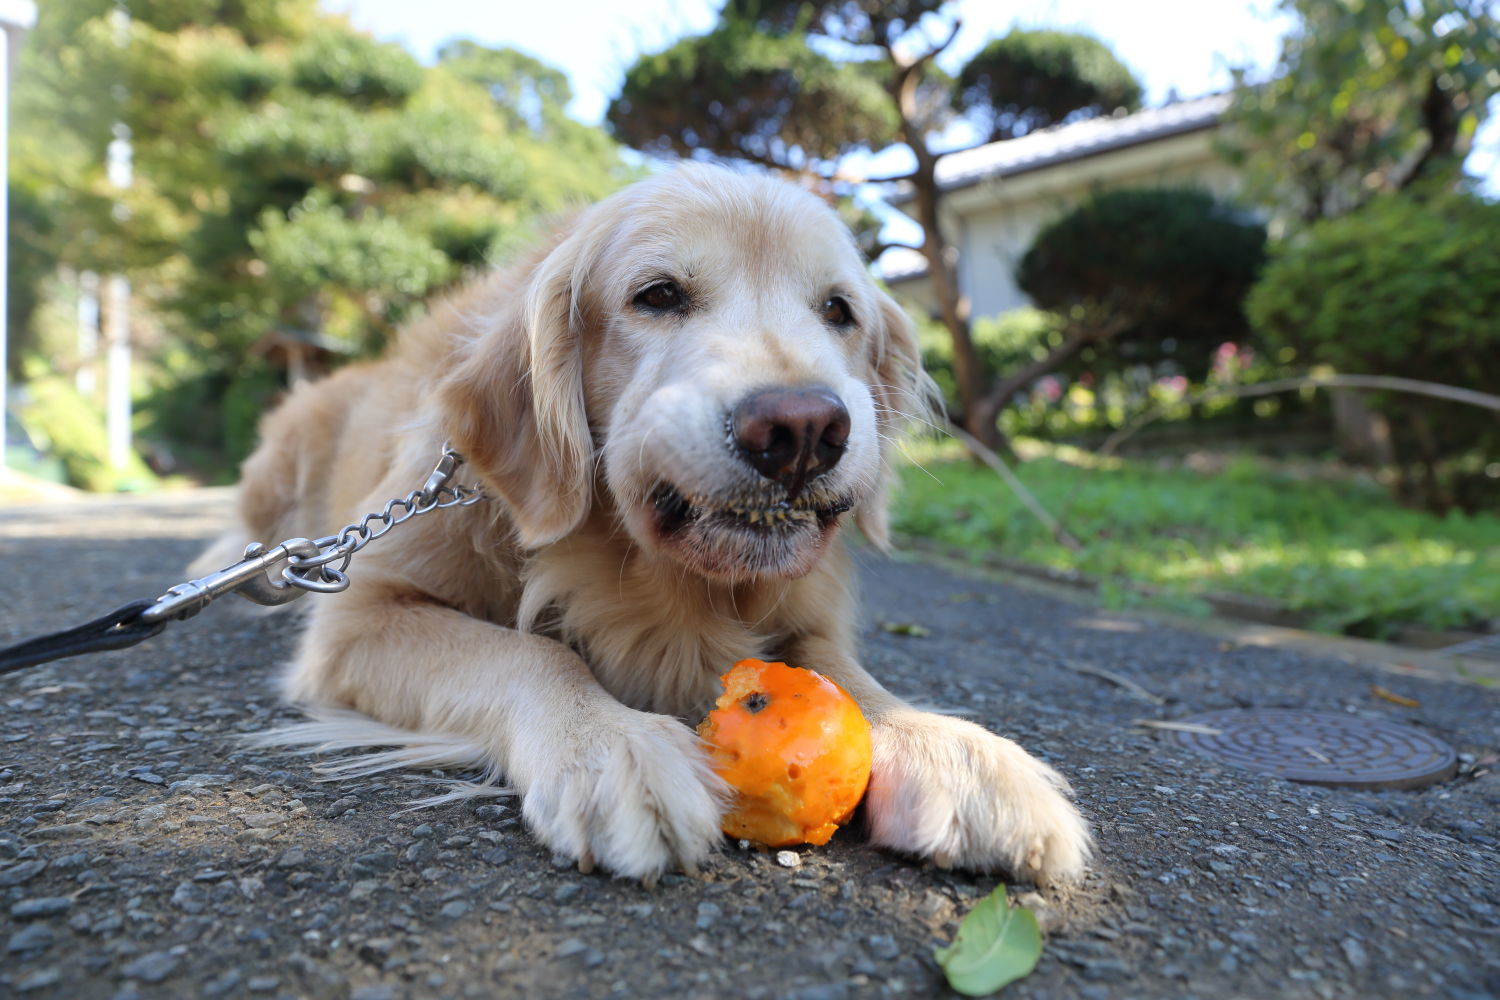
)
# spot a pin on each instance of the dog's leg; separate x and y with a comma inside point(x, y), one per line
point(945, 788)
point(599, 781)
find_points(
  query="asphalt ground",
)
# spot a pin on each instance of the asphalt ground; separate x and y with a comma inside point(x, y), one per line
point(144, 851)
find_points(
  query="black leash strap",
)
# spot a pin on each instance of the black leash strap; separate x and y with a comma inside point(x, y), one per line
point(116, 630)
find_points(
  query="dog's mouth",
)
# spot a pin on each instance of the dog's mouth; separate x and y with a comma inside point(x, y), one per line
point(758, 512)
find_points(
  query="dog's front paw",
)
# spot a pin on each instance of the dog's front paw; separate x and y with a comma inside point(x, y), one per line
point(947, 789)
point(634, 793)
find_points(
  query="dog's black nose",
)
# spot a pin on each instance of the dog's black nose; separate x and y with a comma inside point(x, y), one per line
point(791, 436)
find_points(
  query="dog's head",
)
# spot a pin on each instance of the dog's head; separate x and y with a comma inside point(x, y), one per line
point(705, 353)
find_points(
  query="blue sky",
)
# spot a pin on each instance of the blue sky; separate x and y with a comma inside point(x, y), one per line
point(1183, 44)
point(1186, 47)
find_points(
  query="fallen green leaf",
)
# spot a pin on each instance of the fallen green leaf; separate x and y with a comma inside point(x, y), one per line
point(996, 944)
point(905, 628)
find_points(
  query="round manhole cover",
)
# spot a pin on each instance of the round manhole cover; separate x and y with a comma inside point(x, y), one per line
point(1321, 748)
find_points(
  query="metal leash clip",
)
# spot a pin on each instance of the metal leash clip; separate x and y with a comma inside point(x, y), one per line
point(298, 565)
point(250, 578)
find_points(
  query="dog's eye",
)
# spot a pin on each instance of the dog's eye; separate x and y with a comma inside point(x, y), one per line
point(836, 312)
point(664, 296)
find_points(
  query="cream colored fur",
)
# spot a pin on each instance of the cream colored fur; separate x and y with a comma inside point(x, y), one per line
point(555, 637)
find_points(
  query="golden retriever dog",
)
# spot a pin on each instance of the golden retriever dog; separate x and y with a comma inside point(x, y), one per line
point(674, 407)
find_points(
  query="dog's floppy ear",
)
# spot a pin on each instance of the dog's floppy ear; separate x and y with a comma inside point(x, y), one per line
point(902, 392)
point(514, 405)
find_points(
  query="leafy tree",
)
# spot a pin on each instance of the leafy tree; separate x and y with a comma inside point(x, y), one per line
point(290, 174)
point(798, 85)
point(32, 231)
point(1407, 286)
point(1027, 80)
point(1367, 98)
point(335, 62)
point(740, 92)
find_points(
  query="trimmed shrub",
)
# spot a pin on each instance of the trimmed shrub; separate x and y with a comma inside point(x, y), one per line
point(1405, 286)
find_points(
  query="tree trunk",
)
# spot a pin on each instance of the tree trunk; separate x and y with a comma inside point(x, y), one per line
point(1440, 120)
point(1362, 436)
point(953, 309)
point(968, 370)
point(1436, 497)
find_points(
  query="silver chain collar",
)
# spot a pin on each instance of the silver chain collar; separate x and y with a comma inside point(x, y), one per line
point(298, 565)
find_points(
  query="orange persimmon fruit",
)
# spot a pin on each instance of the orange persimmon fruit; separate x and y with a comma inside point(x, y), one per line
point(794, 747)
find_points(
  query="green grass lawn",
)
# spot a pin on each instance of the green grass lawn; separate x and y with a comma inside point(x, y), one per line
point(1337, 550)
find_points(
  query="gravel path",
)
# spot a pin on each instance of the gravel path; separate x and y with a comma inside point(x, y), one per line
point(143, 852)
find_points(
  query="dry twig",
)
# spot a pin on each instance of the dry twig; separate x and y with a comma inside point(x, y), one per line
point(1116, 679)
point(994, 461)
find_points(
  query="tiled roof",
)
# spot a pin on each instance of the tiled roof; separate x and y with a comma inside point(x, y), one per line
point(1077, 140)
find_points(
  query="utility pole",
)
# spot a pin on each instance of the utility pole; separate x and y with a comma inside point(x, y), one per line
point(16, 18)
point(115, 304)
point(115, 314)
point(87, 378)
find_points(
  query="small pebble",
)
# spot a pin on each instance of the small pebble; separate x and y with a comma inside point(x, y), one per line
point(151, 967)
point(374, 991)
point(343, 805)
point(38, 980)
point(32, 937)
point(21, 872)
point(41, 906)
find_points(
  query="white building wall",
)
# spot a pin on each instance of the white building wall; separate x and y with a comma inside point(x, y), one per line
point(995, 222)
point(991, 247)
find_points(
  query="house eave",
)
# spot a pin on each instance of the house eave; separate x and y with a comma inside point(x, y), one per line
point(1120, 133)
point(1044, 164)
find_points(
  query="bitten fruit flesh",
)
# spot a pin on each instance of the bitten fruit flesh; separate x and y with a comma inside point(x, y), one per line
point(794, 747)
